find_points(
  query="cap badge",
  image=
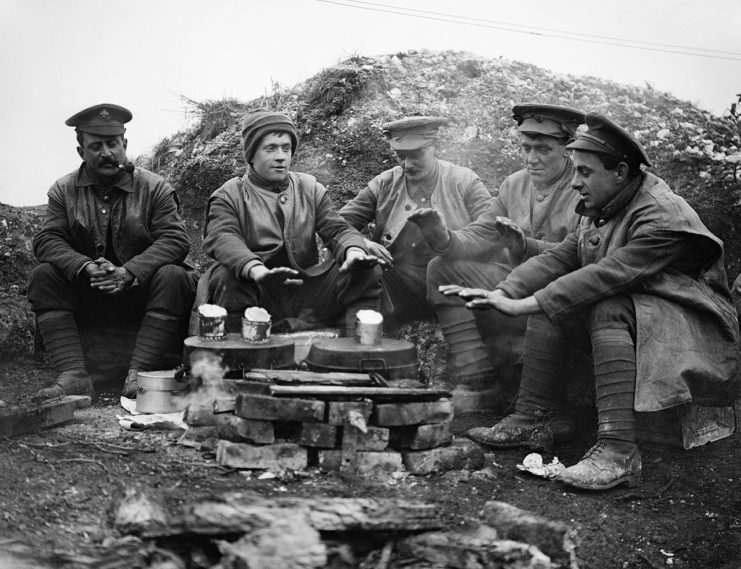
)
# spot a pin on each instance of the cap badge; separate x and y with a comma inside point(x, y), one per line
point(104, 114)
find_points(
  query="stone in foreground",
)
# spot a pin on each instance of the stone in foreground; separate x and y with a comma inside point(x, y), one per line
point(271, 457)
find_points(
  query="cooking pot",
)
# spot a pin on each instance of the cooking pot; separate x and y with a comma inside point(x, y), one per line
point(394, 359)
point(159, 392)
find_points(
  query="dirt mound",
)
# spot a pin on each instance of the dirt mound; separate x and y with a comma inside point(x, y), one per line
point(339, 113)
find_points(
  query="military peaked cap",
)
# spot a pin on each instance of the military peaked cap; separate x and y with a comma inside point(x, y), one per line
point(104, 119)
point(549, 120)
point(604, 136)
point(413, 133)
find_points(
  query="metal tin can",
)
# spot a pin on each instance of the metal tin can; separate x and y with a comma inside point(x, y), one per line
point(255, 332)
point(211, 326)
point(368, 333)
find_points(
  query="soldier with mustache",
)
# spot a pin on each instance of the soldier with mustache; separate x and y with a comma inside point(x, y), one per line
point(112, 248)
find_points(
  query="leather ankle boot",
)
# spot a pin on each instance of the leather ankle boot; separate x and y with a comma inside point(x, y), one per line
point(521, 430)
point(608, 463)
point(70, 382)
point(131, 384)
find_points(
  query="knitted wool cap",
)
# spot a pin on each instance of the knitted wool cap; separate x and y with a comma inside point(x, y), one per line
point(258, 124)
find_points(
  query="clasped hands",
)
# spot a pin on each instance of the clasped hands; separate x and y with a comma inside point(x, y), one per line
point(107, 277)
point(355, 260)
point(478, 298)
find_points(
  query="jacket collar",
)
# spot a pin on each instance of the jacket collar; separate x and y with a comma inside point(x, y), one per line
point(85, 178)
point(615, 205)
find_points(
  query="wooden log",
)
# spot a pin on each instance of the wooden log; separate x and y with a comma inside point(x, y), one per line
point(236, 513)
point(308, 377)
point(20, 421)
point(351, 392)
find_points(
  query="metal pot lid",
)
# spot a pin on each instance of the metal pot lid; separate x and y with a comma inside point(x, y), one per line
point(335, 350)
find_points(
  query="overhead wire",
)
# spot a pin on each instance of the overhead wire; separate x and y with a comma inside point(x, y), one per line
point(539, 31)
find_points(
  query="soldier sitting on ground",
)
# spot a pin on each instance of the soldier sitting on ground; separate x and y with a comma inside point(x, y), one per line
point(533, 210)
point(112, 249)
point(389, 201)
point(641, 284)
point(261, 230)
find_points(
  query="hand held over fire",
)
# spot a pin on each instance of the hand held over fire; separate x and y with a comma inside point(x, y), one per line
point(512, 236)
point(480, 299)
point(275, 277)
point(381, 253)
point(433, 227)
point(357, 260)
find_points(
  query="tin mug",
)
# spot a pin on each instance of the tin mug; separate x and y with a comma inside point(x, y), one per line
point(256, 332)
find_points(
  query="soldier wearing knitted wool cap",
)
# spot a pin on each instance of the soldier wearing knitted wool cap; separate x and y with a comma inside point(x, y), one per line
point(112, 249)
point(389, 201)
point(261, 230)
point(532, 210)
point(642, 286)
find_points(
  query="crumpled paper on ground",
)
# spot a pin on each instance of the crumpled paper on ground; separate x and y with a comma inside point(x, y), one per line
point(137, 421)
point(533, 463)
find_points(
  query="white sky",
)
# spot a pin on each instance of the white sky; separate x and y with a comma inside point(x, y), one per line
point(60, 56)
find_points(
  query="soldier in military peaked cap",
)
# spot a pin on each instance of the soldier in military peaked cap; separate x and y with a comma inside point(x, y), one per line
point(111, 251)
point(605, 137)
point(105, 120)
point(413, 133)
point(419, 182)
point(547, 120)
point(533, 210)
point(641, 286)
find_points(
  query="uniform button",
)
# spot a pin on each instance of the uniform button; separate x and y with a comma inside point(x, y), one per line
point(387, 237)
point(283, 199)
point(540, 197)
point(594, 240)
point(104, 210)
point(423, 200)
point(407, 207)
point(105, 198)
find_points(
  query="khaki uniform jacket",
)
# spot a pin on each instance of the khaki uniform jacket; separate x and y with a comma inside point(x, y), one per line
point(459, 195)
point(687, 344)
point(546, 216)
point(147, 231)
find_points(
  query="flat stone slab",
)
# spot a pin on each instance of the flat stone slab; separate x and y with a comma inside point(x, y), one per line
point(269, 408)
point(365, 462)
point(416, 413)
point(270, 457)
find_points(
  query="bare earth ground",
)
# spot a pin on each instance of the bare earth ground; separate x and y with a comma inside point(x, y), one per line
point(58, 488)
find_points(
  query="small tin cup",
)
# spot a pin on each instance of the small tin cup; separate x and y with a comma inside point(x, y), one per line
point(368, 333)
point(211, 328)
point(255, 332)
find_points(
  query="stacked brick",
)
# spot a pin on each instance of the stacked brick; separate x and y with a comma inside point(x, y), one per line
point(262, 431)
